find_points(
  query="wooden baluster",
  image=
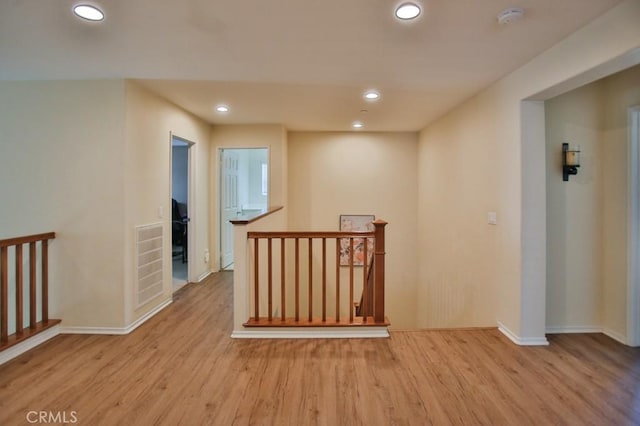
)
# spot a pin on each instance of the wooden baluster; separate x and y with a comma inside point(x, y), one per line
point(297, 278)
point(324, 280)
point(20, 291)
point(269, 281)
point(338, 279)
point(33, 302)
point(378, 265)
point(45, 281)
point(370, 285)
point(351, 280)
point(310, 279)
point(4, 294)
point(256, 283)
point(364, 309)
point(282, 280)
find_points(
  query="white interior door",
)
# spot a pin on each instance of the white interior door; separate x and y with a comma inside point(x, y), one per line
point(229, 204)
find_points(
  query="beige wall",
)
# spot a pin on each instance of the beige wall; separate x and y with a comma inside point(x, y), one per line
point(90, 160)
point(361, 173)
point(150, 122)
point(272, 136)
point(62, 164)
point(463, 260)
point(484, 157)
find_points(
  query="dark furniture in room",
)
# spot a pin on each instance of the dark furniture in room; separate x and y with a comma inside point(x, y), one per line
point(179, 226)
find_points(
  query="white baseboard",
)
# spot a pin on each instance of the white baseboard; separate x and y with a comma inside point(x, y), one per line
point(50, 333)
point(573, 329)
point(29, 344)
point(117, 330)
point(312, 333)
point(588, 329)
point(615, 335)
point(203, 276)
point(522, 341)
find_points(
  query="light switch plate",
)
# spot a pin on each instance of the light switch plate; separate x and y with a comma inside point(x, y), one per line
point(492, 218)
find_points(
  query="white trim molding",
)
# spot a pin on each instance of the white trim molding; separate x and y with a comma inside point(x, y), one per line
point(29, 344)
point(522, 341)
point(616, 336)
point(312, 333)
point(574, 329)
point(117, 330)
point(588, 329)
point(633, 227)
point(203, 276)
point(52, 332)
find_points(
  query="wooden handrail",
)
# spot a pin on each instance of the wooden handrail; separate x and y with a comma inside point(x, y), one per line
point(7, 242)
point(311, 234)
point(247, 219)
point(34, 326)
point(372, 304)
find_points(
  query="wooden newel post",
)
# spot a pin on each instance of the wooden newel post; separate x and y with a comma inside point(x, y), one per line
point(378, 265)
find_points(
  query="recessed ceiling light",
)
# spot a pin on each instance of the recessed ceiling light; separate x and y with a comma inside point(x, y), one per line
point(407, 11)
point(88, 12)
point(222, 108)
point(357, 125)
point(371, 95)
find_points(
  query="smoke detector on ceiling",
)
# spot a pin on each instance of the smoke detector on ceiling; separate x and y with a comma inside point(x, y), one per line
point(510, 15)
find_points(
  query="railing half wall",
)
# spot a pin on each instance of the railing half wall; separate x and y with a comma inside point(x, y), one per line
point(273, 218)
point(27, 320)
point(302, 279)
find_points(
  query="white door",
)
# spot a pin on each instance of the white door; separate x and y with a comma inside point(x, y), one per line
point(229, 205)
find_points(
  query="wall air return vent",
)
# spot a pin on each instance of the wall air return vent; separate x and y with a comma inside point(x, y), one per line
point(149, 263)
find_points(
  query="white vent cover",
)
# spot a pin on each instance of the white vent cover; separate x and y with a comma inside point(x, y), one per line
point(149, 264)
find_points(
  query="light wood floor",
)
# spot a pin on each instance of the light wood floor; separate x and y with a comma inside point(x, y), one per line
point(181, 367)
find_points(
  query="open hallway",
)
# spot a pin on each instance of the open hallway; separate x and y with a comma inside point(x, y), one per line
point(181, 367)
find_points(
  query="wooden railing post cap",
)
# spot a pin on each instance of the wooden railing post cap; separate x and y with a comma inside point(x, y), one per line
point(379, 222)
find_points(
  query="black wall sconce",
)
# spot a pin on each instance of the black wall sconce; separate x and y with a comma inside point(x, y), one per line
point(570, 161)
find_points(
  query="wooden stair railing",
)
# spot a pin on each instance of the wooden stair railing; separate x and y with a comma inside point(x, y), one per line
point(371, 311)
point(22, 331)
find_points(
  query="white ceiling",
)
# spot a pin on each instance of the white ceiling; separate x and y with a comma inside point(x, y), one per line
point(302, 63)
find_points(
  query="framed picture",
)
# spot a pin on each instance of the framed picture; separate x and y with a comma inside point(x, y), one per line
point(363, 223)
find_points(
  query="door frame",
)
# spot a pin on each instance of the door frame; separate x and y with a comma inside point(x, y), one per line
point(633, 227)
point(191, 202)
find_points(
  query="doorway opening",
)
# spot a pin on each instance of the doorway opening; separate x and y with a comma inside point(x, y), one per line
point(593, 222)
point(180, 202)
point(244, 190)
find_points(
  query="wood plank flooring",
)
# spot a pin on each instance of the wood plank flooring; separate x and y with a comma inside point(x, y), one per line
point(181, 367)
